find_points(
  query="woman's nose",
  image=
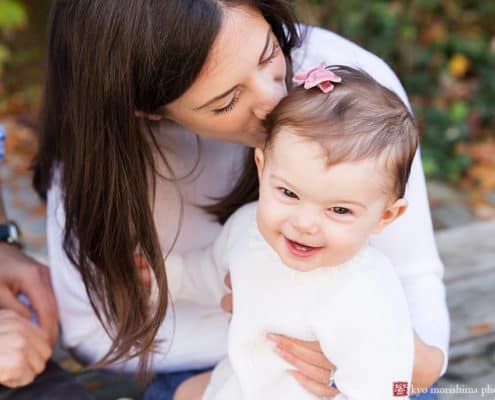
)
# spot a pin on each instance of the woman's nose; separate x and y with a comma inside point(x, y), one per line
point(267, 96)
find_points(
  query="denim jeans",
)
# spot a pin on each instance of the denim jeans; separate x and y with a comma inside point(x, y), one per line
point(164, 386)
point(426, 396)
point(53, 383)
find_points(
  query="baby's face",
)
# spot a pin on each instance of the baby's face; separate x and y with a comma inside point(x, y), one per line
point(313, 215)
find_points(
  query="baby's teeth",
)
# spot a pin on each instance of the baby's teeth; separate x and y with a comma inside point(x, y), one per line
point(301, 248)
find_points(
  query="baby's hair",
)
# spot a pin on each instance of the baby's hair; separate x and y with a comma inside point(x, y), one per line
point(359, 119)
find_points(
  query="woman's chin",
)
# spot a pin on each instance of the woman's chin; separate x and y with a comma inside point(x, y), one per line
point(256, 138)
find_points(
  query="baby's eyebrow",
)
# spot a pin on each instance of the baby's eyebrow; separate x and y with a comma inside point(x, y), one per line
point(226, 93)
point(286, 183)
point(356, 203)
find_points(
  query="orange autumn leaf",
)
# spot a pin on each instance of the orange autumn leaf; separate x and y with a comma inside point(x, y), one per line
point(483, 175)
point(38, 211)
point(459, 65)
point(481, 328)
point(482, 152)
point(20, 140)
point(436, 32)
point(483, 211)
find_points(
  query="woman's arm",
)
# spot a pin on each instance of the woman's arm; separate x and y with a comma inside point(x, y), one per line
point(19, 273)
point(409, 242)
point(84, 335)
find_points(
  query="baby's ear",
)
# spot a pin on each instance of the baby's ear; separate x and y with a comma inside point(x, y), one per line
point(259, 159)
point(390, 214)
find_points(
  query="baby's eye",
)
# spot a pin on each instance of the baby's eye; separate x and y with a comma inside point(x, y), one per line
point(340, 210)
point(286, 192)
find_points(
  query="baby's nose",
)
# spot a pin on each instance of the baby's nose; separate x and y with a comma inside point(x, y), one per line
point(305, 224)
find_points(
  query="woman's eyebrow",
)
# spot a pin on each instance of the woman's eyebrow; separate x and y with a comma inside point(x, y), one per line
point(216, 98)
point(222, 95)
point(267, 42)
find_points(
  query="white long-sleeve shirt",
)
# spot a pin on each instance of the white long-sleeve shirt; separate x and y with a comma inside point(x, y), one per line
point(196, 336)
point(357, 311)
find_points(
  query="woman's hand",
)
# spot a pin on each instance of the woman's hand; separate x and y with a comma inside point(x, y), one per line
point(24, 350)
point(313, 370)
point(21, 274)
point(226, 302)
point(428, 363)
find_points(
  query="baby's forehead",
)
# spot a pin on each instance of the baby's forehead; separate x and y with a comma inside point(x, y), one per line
point(302, 158)
point(331, 149)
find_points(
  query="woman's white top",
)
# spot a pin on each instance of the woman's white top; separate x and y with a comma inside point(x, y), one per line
point(357, 311)
point(195, 336)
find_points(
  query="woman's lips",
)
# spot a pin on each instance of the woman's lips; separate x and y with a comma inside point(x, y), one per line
point(301, 250)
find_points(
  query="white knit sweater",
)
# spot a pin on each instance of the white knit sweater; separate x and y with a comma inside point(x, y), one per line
point(357, 311)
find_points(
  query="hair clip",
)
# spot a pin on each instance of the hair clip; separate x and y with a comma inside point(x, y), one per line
point(319, 76)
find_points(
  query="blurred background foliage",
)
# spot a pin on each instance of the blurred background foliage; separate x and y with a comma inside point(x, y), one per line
point(444, 53)
point(442, 50)
point(12, 17)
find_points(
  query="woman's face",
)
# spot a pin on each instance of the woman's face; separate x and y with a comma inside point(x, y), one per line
point(242, 81)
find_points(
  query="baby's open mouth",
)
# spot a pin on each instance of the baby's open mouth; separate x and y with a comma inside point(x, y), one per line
point(301, 250)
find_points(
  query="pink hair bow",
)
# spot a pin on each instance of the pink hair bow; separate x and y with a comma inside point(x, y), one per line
point(318, 76)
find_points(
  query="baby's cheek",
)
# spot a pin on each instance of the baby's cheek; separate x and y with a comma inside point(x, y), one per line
point(267, 219)
point(349, 241)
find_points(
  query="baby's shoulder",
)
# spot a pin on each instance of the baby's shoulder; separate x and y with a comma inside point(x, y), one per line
point(243, 217)
point(377, 264)
point(247, 211)
point(372, 276)
point(240, 222)
point(371, 293)
point(376, 272)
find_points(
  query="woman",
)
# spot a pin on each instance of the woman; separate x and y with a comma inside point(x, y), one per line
point(127, 182)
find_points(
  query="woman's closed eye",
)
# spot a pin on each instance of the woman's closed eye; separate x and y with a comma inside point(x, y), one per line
point(229, 107)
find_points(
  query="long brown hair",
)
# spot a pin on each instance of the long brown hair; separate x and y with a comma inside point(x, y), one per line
point(106, 59)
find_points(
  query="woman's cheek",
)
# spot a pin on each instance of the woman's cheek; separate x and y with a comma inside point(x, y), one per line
point(282, 65)
point(239, 120)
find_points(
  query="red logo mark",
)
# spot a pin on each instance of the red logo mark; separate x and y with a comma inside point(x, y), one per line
point(400, 389)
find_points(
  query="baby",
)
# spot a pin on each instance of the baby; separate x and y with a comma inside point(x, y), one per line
point(333, 173)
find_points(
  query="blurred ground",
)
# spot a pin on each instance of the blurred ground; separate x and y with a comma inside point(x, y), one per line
point(461, 214)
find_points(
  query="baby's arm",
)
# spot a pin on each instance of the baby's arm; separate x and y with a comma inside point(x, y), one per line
point(369, 339)
point(195, 277)
point(193, 388)
point(198, 275)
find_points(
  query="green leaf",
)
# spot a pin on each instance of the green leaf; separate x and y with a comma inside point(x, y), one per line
point(12, 15)
point(459, 111)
